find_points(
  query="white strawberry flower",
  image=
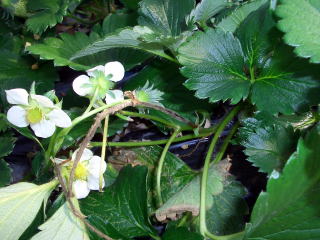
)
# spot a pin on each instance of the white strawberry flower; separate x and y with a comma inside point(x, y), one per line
point(114, 96)
point(37, 111)
point(86, 175)
point(99, 78)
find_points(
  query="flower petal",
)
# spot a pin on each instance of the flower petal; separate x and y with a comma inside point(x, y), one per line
point(60, 118)
point(17, 116)
point(93, 183)
point(43, 129)
point(43, 101)
point(94, 166)
point(82, 85)
point(87, 154)
point(80, 189)
point(17, 96)
point(114, 96)
point(116, 69)
point(91, 72)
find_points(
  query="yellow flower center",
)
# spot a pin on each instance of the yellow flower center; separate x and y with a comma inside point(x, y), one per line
point(81, 172)
point(34, 115)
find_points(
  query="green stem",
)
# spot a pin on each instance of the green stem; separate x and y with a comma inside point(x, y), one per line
point(92, 101)
point(160, 164)
point(225, 144)
point(103, 150)
point(153, 118)
point(203, 133)
point(204, 179)
point(65, 131)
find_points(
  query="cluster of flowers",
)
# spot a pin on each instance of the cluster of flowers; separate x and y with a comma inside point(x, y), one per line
point(43, 116)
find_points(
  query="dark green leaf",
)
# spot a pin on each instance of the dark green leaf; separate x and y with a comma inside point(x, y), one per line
point(46, 13)
point(207, 9)
point(225, 205)
point(226, 215)
point(213, 61)
point(232, 22)
point(63, 48)
point(175, 175)
point(300, 20)
point(289, 209)
point(121, 210)
point(16, 71)
point(5, 173)
point(126, 38)
point(180, 233)
point(167, 17)
point(7, 144)
point(267, 147)
point(131, 4)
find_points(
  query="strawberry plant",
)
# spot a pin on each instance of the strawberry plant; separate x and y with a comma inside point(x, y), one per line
point(160, 119)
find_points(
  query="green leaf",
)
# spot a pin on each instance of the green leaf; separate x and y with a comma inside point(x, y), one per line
point(131, 4)
point(300, 20)
point(46, 13)
point(16, 72)
point(63, 48)
point(5, 173)
point(121, 210)
point(19, 205)
point(7, 144)
point(176, 97)
point(289, 209)
point(181, 233)
point(267, 147)
point(226, 215)
point(125, 38)
point(175, 174)
point(167, 17)
point(224, 201)
point(62, 225)
point(207, 9)
point(232, 22)
point(213, 61)
point(255, 67)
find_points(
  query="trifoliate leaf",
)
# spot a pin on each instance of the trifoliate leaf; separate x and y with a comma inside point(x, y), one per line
point(206, 9)
point(121, 210)
point(289, 209)
point(19, 205)
point(5, 173)
point(62, 225)
point(232, 22)
point(267, 147)
point(63, 48)
point(167, 17)
point(220, 67)
point(45, 13)
point(300, 20)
